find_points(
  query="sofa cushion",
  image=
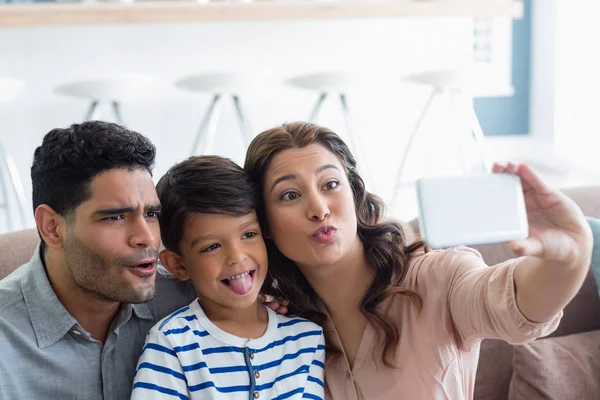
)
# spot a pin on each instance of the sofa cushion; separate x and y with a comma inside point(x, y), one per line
point(16, 248)
point(559, 368)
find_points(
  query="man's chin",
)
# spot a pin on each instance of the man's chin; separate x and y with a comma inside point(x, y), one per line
point(141, 296)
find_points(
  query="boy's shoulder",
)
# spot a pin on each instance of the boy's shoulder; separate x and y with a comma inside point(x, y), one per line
point(291, 324)
point(177, 320)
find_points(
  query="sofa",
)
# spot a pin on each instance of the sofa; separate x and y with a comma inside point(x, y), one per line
point(565, 365)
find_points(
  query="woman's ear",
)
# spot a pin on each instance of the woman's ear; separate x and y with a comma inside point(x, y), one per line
point(173, 262)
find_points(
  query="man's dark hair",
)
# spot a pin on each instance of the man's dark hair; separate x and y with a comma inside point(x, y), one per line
point(202, 184)
point(69, 159)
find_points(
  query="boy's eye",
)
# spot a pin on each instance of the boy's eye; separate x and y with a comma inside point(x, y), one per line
point(331, 185)
point(288, 196)
point(115, 218)
point(212, 247)
point(249, 235)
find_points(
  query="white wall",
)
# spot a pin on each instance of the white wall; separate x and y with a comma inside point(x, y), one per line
point(384, 49)
point(566, 82)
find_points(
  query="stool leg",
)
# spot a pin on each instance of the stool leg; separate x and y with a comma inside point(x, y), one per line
point(355, 144)
point(16, 184)
point(117, 110)
point(479, 138)
point(207, 128)
point(243, 120)
point(4, 192)
point(407, 148)
point(91, 111)
point(314, 114)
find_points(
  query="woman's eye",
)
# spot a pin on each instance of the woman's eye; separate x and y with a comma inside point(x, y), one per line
point(250, 235)
point(290, 196)
point(332, 185)
point(210, 248)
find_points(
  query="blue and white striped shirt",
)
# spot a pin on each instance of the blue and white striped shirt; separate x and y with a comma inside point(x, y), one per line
point(187, 357)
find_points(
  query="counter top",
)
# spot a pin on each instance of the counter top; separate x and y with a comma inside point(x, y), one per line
point(182, 11)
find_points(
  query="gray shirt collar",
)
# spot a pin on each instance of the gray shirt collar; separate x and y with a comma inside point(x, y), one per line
point(49, 318)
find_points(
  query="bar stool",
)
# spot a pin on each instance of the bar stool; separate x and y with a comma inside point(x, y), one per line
point(10, 182)
point(219, 86)
point(336, 84)
point(458, 83)
point(112, 90)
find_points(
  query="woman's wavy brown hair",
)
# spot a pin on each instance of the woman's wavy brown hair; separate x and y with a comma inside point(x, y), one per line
point(384, 242)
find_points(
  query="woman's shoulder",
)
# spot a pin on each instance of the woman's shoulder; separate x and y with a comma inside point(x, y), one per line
point(442, 265)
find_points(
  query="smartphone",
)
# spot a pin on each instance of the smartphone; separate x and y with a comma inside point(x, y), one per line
point(471, 209)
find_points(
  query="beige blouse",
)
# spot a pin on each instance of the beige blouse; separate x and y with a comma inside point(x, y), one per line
point(464, 301)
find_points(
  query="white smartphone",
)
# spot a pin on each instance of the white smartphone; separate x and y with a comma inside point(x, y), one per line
point(471, 209)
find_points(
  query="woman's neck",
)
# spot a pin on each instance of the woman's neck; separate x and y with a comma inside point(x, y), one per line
point(342, 286)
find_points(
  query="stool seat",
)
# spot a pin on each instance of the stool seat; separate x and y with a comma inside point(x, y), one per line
point(10, 88)
point(478, 80)
point(219, 85)
point(216, 82)
point(111, 90)
point(331, 82)
point(441, 79)
point(117, 88)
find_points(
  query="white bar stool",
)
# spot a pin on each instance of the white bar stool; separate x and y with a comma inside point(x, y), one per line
point(219, 86)
point(112, 90)
point(10, 182)
point(336, 84)
point(459, 83)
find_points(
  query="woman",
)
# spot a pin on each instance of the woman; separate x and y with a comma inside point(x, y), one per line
point(400, 322)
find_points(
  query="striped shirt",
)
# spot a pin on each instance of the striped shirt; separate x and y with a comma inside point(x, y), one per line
point(187, 357)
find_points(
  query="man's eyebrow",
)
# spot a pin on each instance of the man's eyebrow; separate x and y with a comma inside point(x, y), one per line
point(124, 210)
point(114, 211)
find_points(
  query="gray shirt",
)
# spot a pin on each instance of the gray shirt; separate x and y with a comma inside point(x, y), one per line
point(46, 354)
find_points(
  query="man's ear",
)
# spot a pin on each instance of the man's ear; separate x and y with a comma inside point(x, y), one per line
point(51, 226)
point(173, 262)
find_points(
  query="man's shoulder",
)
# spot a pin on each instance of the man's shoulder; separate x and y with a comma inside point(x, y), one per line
point(11, 293)
point(171, 294)
point(15, 321)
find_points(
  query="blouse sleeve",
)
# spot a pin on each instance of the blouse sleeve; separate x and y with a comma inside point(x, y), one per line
point(481, 299)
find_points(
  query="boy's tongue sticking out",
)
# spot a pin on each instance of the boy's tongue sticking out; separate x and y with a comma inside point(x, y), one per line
point(241, 284)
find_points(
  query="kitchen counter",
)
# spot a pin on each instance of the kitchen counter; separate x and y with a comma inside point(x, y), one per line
point(182, 11)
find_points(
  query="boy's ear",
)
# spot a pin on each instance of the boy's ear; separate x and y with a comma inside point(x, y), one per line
point(173, 262)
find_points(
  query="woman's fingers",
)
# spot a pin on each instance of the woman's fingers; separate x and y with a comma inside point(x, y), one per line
point(527, 247)
point(532, 179)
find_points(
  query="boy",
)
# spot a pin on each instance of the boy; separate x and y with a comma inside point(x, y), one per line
point(226, 344)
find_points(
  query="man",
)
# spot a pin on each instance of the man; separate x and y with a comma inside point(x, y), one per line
point(74, 319)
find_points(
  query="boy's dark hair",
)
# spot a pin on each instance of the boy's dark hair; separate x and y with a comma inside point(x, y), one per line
point(202, 184)
point(69, 159)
